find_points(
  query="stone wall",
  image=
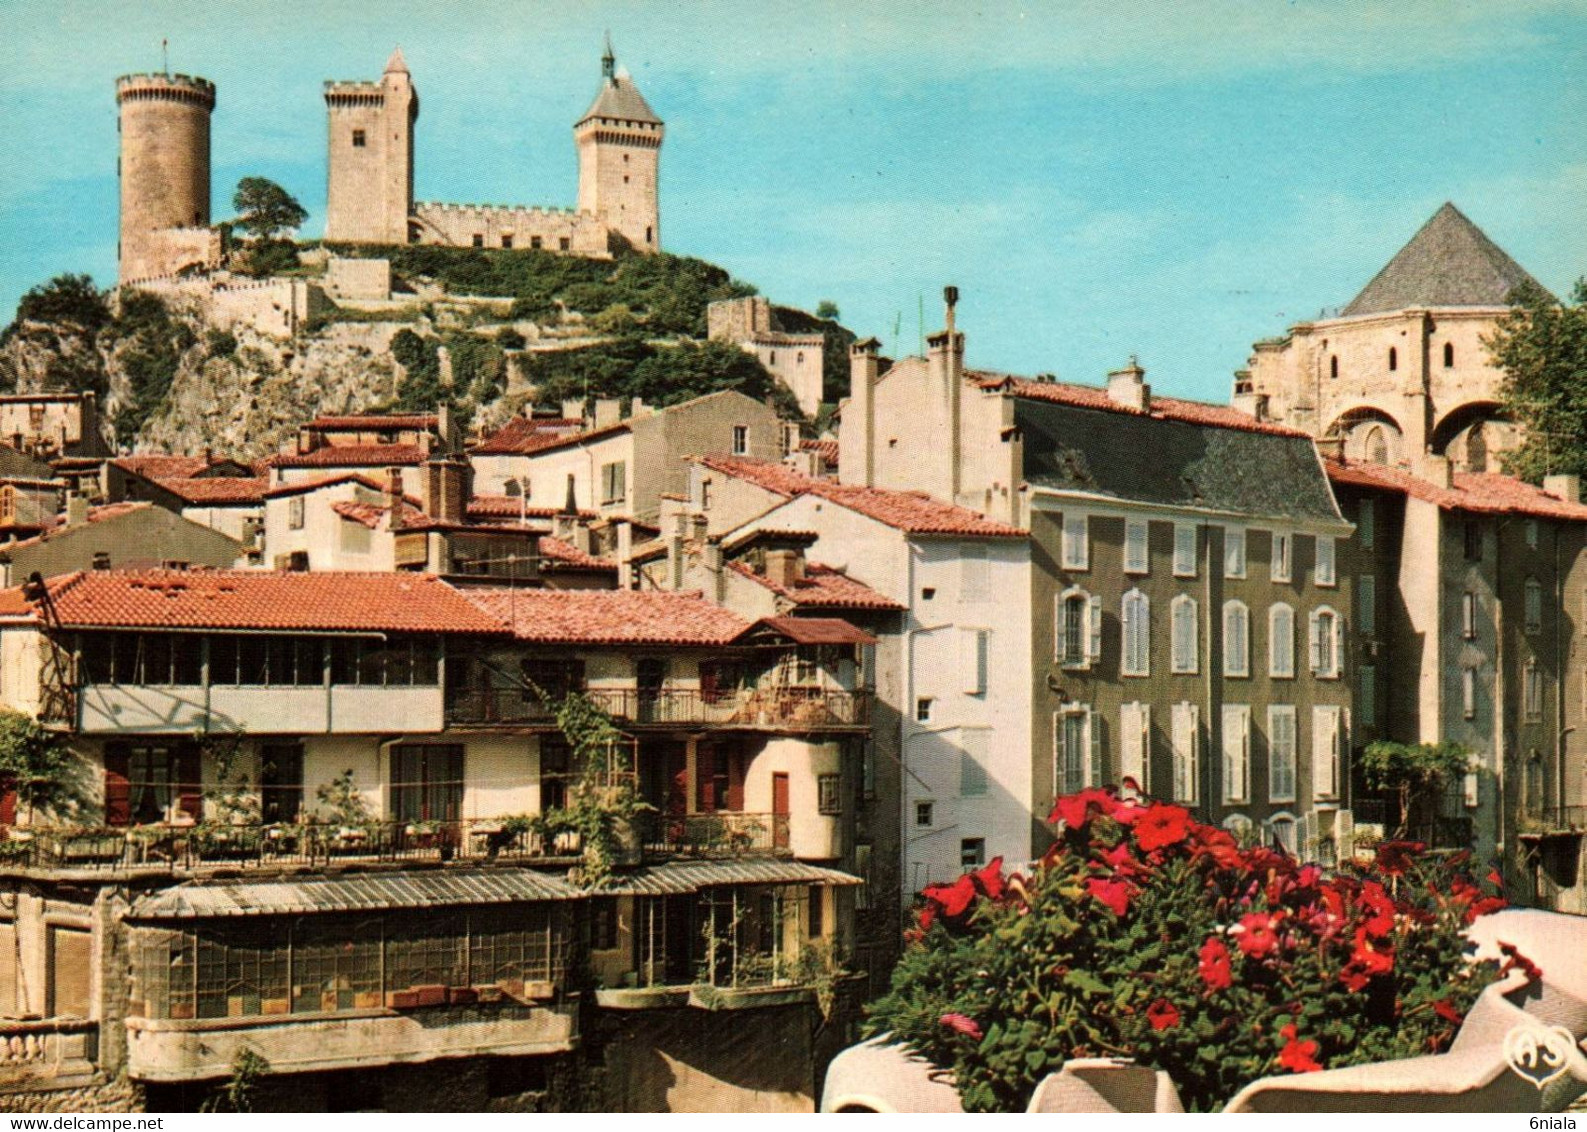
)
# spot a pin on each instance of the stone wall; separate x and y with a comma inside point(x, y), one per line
point(358, 278)
point(98, 1096)
point(515, 226)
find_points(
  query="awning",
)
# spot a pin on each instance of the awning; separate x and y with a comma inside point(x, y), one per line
point(814, 630)
point(681, 877)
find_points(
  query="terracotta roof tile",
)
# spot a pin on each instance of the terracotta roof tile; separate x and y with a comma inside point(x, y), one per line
point(817, 630)
point(823, 588)
point(1483, 493)
point(560, 555)
point(611, 617)
point(331, 481)
point(488, 507)
point(352, 456)
point(216, 489)
point(161, 466)
point(909, 511)
point(257, 599)
point(827, 448)
point(1160, 408)
point(523, 435)
point(361, 422)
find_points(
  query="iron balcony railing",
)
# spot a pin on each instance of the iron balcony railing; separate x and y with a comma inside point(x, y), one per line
point(728, 833)
point(778, 708)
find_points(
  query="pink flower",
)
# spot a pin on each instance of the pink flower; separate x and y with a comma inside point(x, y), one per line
point(1257, 937)
point(960, 1024)
point(1114, 893)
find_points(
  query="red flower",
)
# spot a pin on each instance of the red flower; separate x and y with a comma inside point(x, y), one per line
point(1074, 810)
point(1215, 968)
point(928, 915)
point(990, 878)
point(1219, 844)
point(1514, 960)
point(1257, 937)
point(1394, 858)
point(1380, 922)
point(1297, 1056)
point(1162, 1014)
point(1114, 893)
point(955, 899)
point(1486, 905)
point(1366, 962)
point(1446, 1010)
point(962, 1025)
point(1119, 860)
point(1162, 826)
point(1495, 879)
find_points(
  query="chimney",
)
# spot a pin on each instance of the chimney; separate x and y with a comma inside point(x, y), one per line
point(445, 427)
point(567, 518)
point(447, 496)
point(1436, 470)
point(861, 414)
point(784, 567)
point(625, 555)
point(394, 495)
point(608, 411)
point(1563, 487)
point(637, 408)
point(945, 364)
point(1127, 387)
point(711, 559)
point(680, 531)
point(76, 509)
point(573, 410)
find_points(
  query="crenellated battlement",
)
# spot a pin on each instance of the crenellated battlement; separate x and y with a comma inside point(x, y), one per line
point(523, 210)
point(167, 87)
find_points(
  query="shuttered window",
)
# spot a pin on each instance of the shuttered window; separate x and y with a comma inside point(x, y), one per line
point(1236, 753)
point(1281, 641)
point(1324, 574)
point(1233, 552)
point(1076, 543)
point(1135, 744)
point(1281, 753)
point(1187, 753)
point(1186, 644)
point(70, 972)
point(1326, 728)
point(1136, 547)
point(972, 763)
point(1184, 550)
point(1077, 755)
point(1135, 614)
point(974, 654)
point(1236, 639)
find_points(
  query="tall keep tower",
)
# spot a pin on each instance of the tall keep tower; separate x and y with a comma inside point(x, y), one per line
point(619, 141)
point(370, 194)
point(164, 173)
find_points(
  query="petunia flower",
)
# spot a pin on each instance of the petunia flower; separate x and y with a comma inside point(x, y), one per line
point(1446, 1010)
point(990, 878)
point(1162, 1014)
point(1162, 826)
point(955, 899)
point(961, 1024)
point(1257, 937)
point(1114, 893)
point(1297, 1056)
point(1216, 970)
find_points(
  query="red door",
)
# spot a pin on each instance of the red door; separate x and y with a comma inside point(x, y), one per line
point(779, 811)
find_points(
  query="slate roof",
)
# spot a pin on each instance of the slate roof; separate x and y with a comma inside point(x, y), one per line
point(1450, 262)
point(823, 588)
point(912, 512)
point(256, 599)
point(609, 617)
point(1173, 462)
point(620, 98)
point(1483, 493)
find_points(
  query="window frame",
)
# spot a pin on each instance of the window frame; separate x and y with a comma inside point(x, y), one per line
point(1275, 670)
point(1088, 629)
point(1234, 565)
point(740, 440)
point(1236, 719)
point(1088, 759)
point(1329, 788)
point(1137, 533)
point(1326, 643)
point(1135, 743)
point(829, 794)
point(1186, 744)
point(1325, 578)
point(1241, 668)
point(1075, 541)
point(1286, 769)
point(1184, 658)
point(1532, 606)
point(1137, 626)
point(1281, 556)
point(1186, 538)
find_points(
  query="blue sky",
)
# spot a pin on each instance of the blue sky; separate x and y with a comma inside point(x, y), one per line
point(1100, 179)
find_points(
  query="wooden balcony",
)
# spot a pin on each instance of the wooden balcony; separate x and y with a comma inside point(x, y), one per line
point(759, 709)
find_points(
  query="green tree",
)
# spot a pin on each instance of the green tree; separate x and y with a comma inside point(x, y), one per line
point(37, 765)
point(827, 309)
point(265, 209)
point(1541, 346)
point(1416, 775)
point(66, 299)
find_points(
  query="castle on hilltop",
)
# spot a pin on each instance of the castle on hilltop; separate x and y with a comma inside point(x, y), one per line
point(165, 175)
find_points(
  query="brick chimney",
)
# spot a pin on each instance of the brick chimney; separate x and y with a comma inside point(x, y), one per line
point(1128, 387)
point(446, 489)
point(785, 567)
point(394, 494)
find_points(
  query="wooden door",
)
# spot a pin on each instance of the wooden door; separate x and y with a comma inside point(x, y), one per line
point(779, 811)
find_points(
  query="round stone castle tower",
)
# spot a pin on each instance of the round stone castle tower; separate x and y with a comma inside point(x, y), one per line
point(164, 172)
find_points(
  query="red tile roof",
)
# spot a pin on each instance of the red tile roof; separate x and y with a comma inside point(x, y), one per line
point(331, 481)
point(257, 599)
point(610, 617)
point(817, 630)
point(217, 490)
point(521, 435)
point(487, 507)
point(912, 512)
point(1160, 408)
point(827, 448)
point(1484, 493)
point(559, 555)
point(160, 466)
point(370, 514)
point(823, 588)
point(352, 456)
point(363, 422)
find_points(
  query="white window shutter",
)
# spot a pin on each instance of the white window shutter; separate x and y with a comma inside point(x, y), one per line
point(1130, 751)
point(1315, 637)
point(1303, 836)
point(1324, 751)
point(1094, 629)
point(1144, 718)
point(1094, 772)
point(983, 649)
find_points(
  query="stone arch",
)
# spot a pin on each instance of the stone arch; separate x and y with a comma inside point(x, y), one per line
point(1369, 434)
point(1472, 435)
point(421, 231)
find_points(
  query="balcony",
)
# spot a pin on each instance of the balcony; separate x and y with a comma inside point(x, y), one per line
point(51, 1053)
point(770, 709)
point(120, 709)
point(1554, 821)
point(723, 834)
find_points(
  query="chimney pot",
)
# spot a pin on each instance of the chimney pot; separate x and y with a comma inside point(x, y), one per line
point(1566, 487)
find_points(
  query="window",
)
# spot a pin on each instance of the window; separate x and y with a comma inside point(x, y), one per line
point(972, 853)
point(1367, 604)
point(1282, 829)
point(1186, 650)
point(614, 482)
point(280, 781)
point(829, 794)
point(1076, 543)
point(1184, 550)
point(295, 513)
point(1324, 574)
point(1367, 694)
point(359, 139)
point(740, 440)
point(1449, 355)
point(923, 708)
point(974, 650)
point(427, 782)
point(1135, 617)
point(974, 576)
point(603, 924)
point(1531, 534)
point(1281, 753)
point(1281, 641)
point(1236, 754)
point(506, 241)
point(1333, 365)
point(563, 243)
point(1326, 736)
point(972, 764)
point(1468, 616)
point(1473, 539)
point(1187, 754)
point(923, 813)
point(1326, 642)
point(1367, 522)
point(1233, 552)
point(1135, 744)
point(1236, 639)
point(1136, 547)
point(1279, 564)
point(1534, 606)
point(1377, 445)
point(1394, 359)
point(1079, 629)
point(1077, 750)
point(1532, 691)
point(101, 560)
point(928, 592)
point(479, 239)
point(1468, 693)
point(867, 769)
point(536, 243)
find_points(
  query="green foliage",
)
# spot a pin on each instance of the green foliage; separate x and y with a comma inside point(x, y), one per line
point(220, 343)
point(70, 300)
point(836, 340)
point(1542, 348)
point(828, 310)
point(264, 208)
point(155, 342)
point(36, 763)
point(421, 389)
point(239, 1091)
point(1146, 935)
point(1416, 774)
point(266, 256)
point(477, 368)
point(232, 800)
point(346, 805)
point(630, 367)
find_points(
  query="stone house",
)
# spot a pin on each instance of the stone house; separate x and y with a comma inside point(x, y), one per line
point(115, 536)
